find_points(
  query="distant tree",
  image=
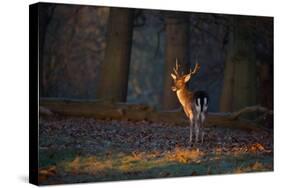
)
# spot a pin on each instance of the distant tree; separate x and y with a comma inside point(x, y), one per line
point(115, 67)
point(176, 47)
point(264, 27)
point(266, 84)
point(45, 16)
point(240, 77)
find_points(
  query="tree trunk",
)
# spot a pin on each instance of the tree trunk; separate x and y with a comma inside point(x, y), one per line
point(176, 47)
point(240, 78)
point(115, 67)
point(266, 85)
point(45, 15)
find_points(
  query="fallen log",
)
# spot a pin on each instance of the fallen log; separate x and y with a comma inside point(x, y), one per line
point(136, 112)
point(248, 109)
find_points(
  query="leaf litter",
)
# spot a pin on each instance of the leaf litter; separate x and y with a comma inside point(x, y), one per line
point(92, 149)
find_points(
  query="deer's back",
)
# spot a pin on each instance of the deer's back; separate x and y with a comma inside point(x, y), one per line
point(193, 101)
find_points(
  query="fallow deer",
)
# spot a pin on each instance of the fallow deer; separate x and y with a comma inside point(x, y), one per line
point(195, 104)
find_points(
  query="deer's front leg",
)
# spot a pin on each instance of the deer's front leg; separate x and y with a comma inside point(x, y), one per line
point(190, 130)
point(190, 116)
point(190, 127)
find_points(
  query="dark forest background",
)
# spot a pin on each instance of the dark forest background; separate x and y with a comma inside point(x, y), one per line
point(126, 55)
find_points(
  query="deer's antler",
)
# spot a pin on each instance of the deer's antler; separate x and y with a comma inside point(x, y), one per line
point(176, 68)
point(195, 70)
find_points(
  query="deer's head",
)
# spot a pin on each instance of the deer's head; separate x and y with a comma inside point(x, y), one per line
point(180, 80)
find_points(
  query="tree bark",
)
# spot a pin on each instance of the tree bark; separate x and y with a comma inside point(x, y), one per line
point(240, 77)
point(176, 47)
point(115, 67)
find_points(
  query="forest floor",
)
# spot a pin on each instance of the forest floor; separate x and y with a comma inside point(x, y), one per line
point(89, 150)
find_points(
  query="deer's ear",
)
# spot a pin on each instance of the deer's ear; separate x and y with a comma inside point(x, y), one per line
point(186, 78)
point(173, 76)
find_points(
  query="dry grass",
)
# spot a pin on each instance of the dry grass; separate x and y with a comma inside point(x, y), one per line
point(178, 162)
point(45, 173)
point(251, 148)
point(132, 162)
point(135, 163)
point(88, 165)
point(182, 155)
point(257, 166)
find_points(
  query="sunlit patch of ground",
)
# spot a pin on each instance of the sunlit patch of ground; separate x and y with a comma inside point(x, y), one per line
point(130, 163)
point(82, 150)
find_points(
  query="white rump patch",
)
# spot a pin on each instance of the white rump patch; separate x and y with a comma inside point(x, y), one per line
point(198, 109)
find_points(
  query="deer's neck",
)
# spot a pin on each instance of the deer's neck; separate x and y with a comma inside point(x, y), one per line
point(184, 96)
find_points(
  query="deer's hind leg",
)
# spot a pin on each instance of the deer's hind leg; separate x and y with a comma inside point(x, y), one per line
point(202, 122)
point(197, 126)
